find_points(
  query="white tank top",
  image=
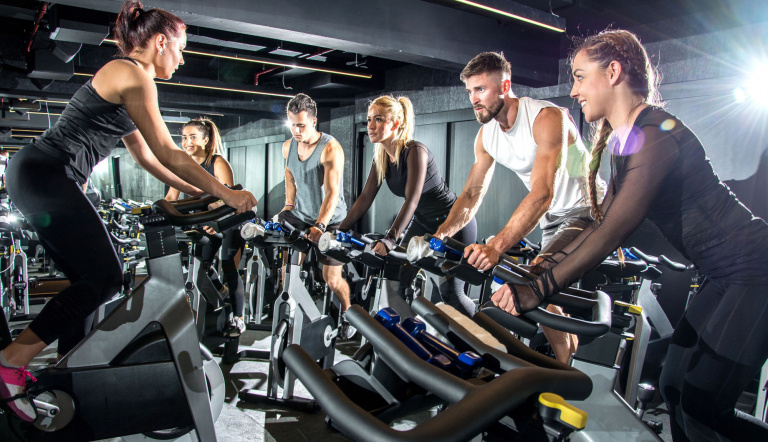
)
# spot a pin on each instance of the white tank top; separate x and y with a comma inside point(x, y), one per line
point(515, 149)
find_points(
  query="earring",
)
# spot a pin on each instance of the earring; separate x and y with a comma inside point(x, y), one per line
point(161, 52)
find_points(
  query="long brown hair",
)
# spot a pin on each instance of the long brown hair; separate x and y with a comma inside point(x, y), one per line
point(208, 129)
point(398, 109)
point(135, 26)
point(625, 48)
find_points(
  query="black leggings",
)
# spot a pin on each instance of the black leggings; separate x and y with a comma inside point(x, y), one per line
point(452, 289)
point(718, 347)
point(72, 233)
point(230, 245)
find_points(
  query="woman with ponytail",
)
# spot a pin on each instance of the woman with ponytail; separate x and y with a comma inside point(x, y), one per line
point(45, 180)
point(411, 172)
point(202, 141)
point(659, 171)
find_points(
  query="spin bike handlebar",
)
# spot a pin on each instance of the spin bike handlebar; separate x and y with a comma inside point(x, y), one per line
point(172, 212)
point(594, 307)
point(348, 246)
point(661, 259)
point(469, 413)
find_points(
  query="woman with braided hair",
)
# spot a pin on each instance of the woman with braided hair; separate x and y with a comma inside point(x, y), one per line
point(659, 171)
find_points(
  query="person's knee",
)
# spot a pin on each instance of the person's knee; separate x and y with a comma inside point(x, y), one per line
point(334, 279)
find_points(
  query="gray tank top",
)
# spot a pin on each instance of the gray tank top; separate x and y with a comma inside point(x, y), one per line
point(309, 175)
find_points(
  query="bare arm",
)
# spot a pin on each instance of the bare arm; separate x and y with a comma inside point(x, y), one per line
point(138, 93)
point(468, 202)
point(143, 155)
point(550, 135)
point(290, 182)
point(173, 194)
point(223, 171)
point(332, 160)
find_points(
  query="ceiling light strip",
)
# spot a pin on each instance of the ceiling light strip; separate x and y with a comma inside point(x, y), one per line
point(510, 15)
point(215, 88)
point(275, 63)
point(271, 63)
point(226, 89)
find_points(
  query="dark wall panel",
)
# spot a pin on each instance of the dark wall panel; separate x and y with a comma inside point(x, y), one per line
point(434, 136)
point(275, 178)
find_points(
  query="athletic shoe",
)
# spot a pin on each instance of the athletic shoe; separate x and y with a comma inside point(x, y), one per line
point(13, 391)
point(235, 328)
point(346, 330)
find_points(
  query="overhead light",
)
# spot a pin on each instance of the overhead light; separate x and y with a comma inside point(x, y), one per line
point(54, 101)
point(269, 62)
point(276, 63)
point(285, 52)
point(198, 86)
point(510, 15)
point(226, 89)
point(180, 120)
point(44, 113)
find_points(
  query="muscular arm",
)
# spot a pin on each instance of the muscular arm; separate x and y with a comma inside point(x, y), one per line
point(332, 160)
point(143, 155)
point(551, 138)
point(471, 197)
point(363, 202)
point(290, 182)
point(139, 95)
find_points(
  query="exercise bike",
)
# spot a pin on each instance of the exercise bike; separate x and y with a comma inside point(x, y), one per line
point(141, 371)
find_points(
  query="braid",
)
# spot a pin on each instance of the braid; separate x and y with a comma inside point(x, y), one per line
point(594, 167)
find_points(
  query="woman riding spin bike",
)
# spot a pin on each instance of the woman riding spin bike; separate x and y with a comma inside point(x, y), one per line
point(659, 171)
point(44, 180)
point(411, 172)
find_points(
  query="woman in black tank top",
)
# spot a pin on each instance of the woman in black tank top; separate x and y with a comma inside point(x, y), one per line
point(660, 171)
point(201, 140)
point(44, 181)
point(411, 172)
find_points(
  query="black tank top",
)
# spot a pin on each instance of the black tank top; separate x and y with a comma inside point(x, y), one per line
point(86, 132)
point(436, 198)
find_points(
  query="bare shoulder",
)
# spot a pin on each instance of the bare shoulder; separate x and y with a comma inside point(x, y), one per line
point(286, 147)
point(333, 152)
point(548, 126)
point(118, 76)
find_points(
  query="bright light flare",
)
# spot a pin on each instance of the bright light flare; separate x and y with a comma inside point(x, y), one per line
point(756, 86)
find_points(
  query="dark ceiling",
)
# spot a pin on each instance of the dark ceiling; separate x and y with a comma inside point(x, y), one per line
point(258, 52)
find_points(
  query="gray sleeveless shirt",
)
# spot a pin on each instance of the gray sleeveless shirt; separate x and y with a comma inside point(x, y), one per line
point(309, 175)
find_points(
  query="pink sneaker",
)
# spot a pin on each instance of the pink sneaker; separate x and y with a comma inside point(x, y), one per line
point(13, 391)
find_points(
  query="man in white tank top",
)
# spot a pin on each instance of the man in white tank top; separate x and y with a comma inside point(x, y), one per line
point(540, 143)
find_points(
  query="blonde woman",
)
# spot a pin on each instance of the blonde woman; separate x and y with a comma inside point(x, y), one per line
point(411, 172)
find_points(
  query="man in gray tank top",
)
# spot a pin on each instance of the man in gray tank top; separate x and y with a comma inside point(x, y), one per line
point(539, 142)
point(314, 194)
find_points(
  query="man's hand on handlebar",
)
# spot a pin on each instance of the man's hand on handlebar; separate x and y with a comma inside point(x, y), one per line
point(314, 234)
point(241, 200)
point(481, 256)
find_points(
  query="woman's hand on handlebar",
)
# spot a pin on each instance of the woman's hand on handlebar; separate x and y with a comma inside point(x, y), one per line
point(241, 200)
point(380, 249)
point(504, 298)
point(481, 256)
